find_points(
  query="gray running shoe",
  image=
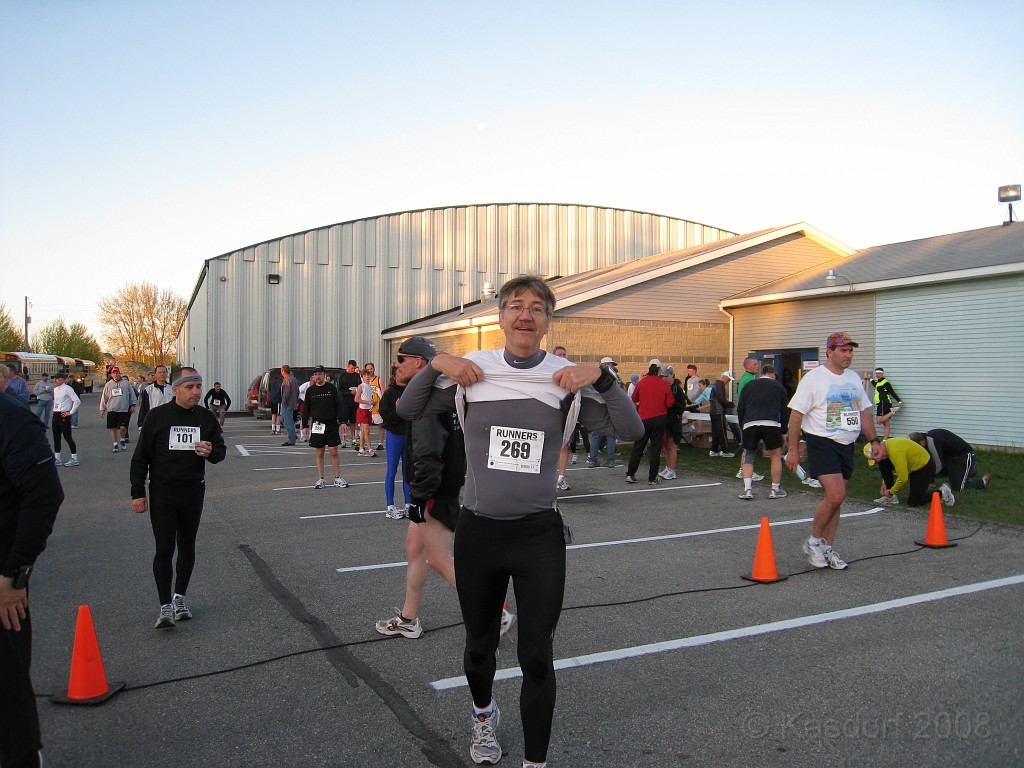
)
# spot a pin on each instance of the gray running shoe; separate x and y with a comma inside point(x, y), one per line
point(57, 461)
point(562, 485)
point(630, 479)
point(72, 462)
point(181, 611)
point(166, 619)
point(747, 494)
point(610, 463)
point(485, 750)
point(778, 493)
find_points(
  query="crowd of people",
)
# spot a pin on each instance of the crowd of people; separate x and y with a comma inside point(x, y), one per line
point(482, 442)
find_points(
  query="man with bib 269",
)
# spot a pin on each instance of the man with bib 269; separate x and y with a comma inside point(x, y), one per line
point(832, 408)
point(177, 440)
point(516, 406)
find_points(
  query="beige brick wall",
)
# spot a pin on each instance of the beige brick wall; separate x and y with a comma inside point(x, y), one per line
point(631, 342)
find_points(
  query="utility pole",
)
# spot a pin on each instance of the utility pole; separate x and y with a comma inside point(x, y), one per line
point(27, 321)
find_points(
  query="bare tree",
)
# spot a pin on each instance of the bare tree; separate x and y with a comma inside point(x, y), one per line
point(140, 322)
point(11, 338)
point(57, 339)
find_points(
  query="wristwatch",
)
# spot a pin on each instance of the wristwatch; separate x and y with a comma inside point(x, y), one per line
point(875, 440)
point(20, 578)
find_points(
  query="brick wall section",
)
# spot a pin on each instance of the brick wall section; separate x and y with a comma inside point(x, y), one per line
point(631, 342)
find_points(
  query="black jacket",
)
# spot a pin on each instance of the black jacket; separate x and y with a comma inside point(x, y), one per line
point(30, 490)
point(436, 450)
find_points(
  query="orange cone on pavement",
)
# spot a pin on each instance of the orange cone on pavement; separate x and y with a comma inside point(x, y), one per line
point(935, 535)
point(88, 683)
point(764, 557)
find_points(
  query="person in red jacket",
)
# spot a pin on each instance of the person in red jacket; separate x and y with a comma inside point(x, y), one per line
point(653, 398)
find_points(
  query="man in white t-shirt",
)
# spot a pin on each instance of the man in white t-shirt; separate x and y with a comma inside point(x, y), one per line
point(832, 408)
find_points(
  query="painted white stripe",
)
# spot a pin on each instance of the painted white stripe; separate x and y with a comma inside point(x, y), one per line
point(343, 514)
point(331, 485)
point(743, 632)
point(645, 539)
point(241, 450)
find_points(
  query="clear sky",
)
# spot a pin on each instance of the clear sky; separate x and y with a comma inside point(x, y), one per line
point(138, 138)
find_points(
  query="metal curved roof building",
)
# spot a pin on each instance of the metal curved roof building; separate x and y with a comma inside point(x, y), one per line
point(325, 295)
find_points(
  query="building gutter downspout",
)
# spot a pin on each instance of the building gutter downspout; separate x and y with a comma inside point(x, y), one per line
point(732, 341)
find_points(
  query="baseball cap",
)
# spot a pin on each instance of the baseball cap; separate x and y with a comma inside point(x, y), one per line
point(667, 371)
point(655, 361)
point(867, 455)
point(727, 375)
point(840, 339)
point(319, 369)
point(60, 375)
point(608, 361)
point(115, 368)
point(417, 346)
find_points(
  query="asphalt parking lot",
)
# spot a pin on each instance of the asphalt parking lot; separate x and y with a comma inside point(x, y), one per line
point(666, 655)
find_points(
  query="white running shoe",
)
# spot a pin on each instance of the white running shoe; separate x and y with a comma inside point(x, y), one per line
point(319, 484)
point(669, 474)
point(754, 476)
point(747, 494)
point(714, 454)
point(507, 620)
point(339, 482)
point(396, 625)
point(394, 513)
point(57, 461)
point(575, 458)
point(834, 561)
point(887, 501)
point(562, 485)
point(72, 462)
point(947, 495)
point(815, 555)
point(727, 454)
point(810, 482)
point(484, 749)
point(778, 493)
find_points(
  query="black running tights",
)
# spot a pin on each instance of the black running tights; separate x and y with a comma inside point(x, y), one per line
point(530, 551)
point(174, 512)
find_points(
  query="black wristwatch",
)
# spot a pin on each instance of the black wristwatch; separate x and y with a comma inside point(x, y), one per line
point(875, 440)
point(20, 578)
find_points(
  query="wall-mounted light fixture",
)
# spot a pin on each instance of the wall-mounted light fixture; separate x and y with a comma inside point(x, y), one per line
point(831, 277)
point(487, 292)
point(274, 279)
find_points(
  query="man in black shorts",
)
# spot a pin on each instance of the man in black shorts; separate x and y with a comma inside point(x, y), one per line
point(348, 382)
point(323, 406)
point(759, 413)
point(117, 402)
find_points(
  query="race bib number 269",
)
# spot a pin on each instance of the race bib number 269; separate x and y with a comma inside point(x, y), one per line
point(515, 450)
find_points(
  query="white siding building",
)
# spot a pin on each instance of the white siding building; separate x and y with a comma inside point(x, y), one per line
point(325, 295)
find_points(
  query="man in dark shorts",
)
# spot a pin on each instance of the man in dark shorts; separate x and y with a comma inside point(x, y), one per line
point(323, 406)
point(348, 382)
point(117, 402)
point(832, 408)
point(759, 412)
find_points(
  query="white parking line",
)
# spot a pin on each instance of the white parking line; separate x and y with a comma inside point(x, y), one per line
point(619, 542)
point(743, 632)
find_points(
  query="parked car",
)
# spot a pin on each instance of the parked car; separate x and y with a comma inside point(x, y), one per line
point(258, 396)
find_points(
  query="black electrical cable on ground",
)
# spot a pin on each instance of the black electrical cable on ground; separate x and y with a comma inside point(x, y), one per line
point(612, 604)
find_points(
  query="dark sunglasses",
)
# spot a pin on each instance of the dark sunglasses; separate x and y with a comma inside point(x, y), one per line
point(403, 358)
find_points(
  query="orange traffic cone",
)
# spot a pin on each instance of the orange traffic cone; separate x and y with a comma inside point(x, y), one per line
point(935, 536)
point(88, 684)
point(764, 557)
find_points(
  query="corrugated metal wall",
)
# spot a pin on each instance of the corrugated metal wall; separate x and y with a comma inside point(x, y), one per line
point(340, 285)
point(940, 349)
